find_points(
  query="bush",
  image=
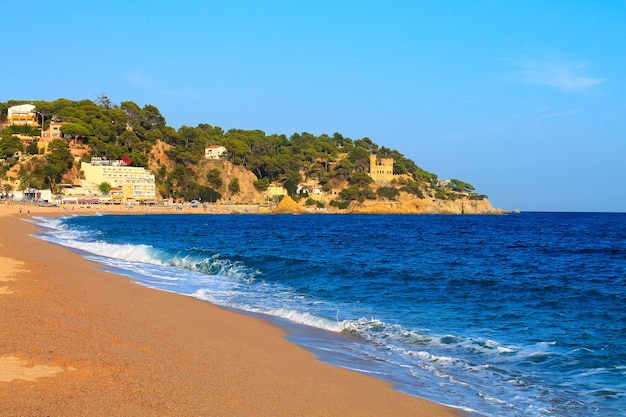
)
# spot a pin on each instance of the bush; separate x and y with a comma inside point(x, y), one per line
point(341, 205)
point(478, 197)
point(196, 191)
point(367, 193)
point(390, 193)
point(412, 187)
point(443, 194)
point(261, 184)
point(214, 177)
point(233, 187)
point(350, 193)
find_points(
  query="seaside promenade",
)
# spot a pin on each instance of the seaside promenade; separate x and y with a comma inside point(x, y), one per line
point(79, 341)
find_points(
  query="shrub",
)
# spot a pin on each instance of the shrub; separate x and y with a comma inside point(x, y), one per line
point(412, 187)
point(478, 197)
point(261, 184)
point(233, 187)
point(214, 177)
point(390, 193)
point(350, 193)
point(341, 205)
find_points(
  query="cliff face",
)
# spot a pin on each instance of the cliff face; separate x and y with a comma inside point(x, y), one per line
point(247, 194)
point(426, 206)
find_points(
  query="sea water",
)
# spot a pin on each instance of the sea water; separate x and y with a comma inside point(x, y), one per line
point(510, 315)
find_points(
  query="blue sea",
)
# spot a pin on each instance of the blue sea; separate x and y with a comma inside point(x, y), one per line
point(509, 315)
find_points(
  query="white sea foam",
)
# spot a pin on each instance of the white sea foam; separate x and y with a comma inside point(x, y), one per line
point(76, 239)
point(306, 319)
point(293, 315)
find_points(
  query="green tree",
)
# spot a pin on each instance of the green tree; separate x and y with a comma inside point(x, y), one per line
point(360, 157)
point(350, 193)
point(128, 139)
point(261, 184)
point(367, 144)
point(460, 186)
point(59, 160)
point(7, 188)
point(105, 102)
point(32, 149)
point(291, 187)
point(133, 113)
point(28, 180)
point(104, 187)
point(151, 117)
point(9, 145)
point(360, 179)
point(344, 169)
point(75, 130)
point(4, 108)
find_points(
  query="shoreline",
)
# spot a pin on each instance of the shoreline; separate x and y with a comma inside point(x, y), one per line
point(287, 206)
point(77, 340)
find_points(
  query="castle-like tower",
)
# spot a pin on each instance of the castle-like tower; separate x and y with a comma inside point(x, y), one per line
point(381, 170)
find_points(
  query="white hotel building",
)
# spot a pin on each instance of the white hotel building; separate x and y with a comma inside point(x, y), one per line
point(127, 183)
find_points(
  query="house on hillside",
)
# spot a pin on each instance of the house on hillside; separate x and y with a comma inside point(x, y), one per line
point(214, 151)
point(78, 145)
point(22, 115)
point(47, 136)
point(53, 131)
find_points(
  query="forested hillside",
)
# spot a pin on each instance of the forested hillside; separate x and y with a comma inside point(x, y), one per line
point(336, 164)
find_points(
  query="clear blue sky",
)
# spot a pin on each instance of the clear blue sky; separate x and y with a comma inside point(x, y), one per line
point(526, 100)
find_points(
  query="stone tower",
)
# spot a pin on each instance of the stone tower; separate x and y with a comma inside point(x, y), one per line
point(381, 170)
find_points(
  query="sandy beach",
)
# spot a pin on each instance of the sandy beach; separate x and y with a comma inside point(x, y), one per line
point(79, 341)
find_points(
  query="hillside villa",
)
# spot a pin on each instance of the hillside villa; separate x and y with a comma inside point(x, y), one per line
point(214, 151)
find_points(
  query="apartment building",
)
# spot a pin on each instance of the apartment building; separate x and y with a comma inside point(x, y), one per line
point(128, 183)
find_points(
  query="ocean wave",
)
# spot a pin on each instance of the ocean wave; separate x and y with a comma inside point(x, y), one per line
point(306, 318)
point(213, 265)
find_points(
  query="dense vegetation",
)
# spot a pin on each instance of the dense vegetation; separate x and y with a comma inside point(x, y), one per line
point(127, 130)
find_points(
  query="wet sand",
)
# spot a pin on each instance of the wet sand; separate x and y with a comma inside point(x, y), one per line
point(79, 341)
